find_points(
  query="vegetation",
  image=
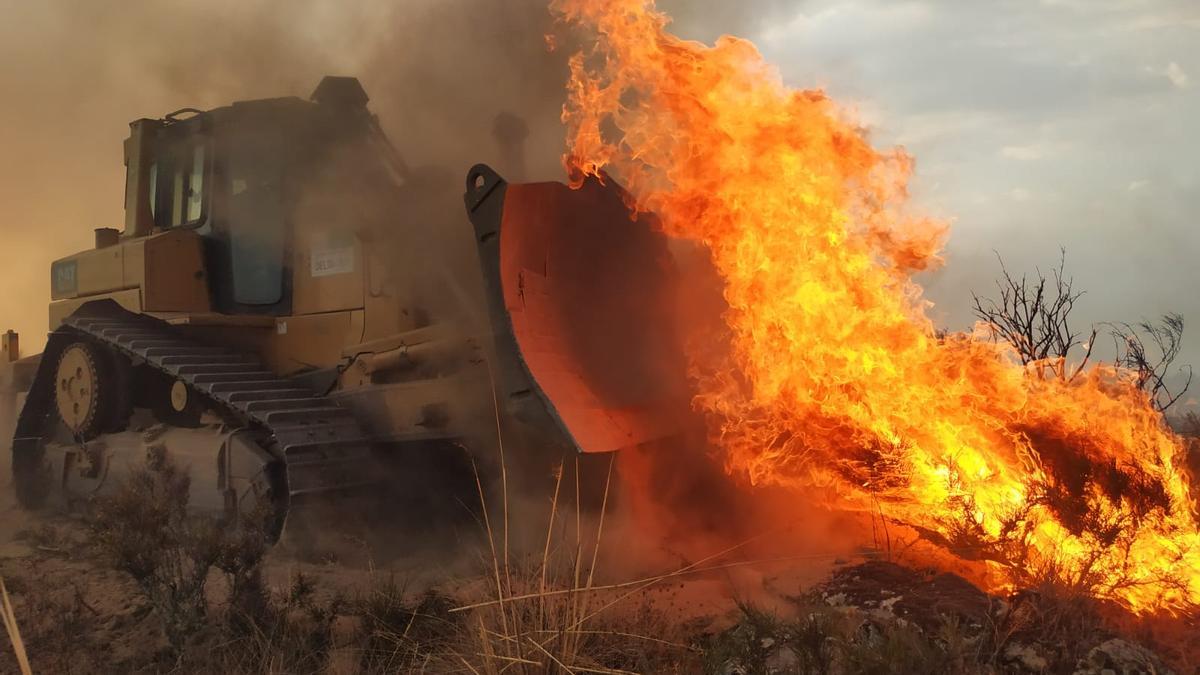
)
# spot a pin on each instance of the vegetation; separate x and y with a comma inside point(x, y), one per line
point(202, 583)
point(1040, 632)
point(146, 532)
point(1149, 350)
point(1033, 315)
point(533, 615)
point(206, 608)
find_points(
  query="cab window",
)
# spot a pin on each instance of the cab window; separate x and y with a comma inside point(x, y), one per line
point(256, 226)
point(178, 187)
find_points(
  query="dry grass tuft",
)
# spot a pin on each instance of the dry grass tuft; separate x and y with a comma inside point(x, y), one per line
point(14, 631)
point(549, 615)
point(146, 530)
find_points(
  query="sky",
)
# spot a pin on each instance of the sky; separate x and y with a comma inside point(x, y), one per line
point(1036, 124)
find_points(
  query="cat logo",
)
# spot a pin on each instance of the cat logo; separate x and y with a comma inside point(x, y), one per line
point(64, 277)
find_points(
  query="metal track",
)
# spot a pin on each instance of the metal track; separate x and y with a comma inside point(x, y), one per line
point(321, 446)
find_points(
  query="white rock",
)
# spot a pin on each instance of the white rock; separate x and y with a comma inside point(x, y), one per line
point(1027, 656)
point(782, 661)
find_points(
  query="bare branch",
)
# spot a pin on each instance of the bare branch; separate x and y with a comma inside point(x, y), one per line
point(1148, 350)
point(1034, 317)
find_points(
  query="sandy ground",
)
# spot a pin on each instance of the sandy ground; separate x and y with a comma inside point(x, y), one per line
point(12, 518)
point(77, 612)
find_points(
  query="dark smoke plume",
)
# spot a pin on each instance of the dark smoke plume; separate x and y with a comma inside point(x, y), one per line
point(438, 71)
point(76, 74)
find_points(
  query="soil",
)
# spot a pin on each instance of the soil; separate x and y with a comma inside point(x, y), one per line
point(927, 598)
point(78, 615)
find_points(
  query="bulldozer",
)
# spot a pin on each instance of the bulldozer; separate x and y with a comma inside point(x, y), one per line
point(294, 314)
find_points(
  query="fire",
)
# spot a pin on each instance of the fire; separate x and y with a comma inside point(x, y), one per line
point(835, 375)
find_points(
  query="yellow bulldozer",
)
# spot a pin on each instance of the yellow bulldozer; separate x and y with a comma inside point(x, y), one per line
point(293, 314)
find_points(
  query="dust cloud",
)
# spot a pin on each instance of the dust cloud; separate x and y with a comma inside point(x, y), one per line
point(452, 81)
point(438, 72)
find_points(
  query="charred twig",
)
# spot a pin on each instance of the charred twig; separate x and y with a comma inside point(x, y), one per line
point(1033, 315)
point(1149, 350)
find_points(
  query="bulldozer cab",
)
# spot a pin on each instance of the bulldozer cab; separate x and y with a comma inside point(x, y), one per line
point(243, 177)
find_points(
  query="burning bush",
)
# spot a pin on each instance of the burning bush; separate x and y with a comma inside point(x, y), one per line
point(835, 375)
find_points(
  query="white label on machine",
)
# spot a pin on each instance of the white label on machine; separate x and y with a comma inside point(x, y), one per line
point(331, 256)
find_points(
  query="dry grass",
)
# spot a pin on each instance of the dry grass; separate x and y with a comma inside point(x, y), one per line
point(539, 614)
point(13, 630)
point(549, 615)
point(146, 530)
point(551, 612)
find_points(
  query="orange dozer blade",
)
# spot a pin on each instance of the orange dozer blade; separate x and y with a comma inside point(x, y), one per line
point(583, 299)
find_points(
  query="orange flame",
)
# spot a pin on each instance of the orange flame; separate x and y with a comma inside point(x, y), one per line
point(835, 373)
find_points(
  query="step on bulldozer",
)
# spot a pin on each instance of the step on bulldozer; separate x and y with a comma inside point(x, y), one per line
point(294, 315)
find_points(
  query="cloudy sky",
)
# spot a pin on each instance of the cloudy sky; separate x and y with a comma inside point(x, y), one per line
point(1036, 124)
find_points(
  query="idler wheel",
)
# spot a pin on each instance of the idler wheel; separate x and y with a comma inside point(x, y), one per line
point(80, 391)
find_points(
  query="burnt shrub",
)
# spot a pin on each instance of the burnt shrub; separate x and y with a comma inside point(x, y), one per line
point(145, 529)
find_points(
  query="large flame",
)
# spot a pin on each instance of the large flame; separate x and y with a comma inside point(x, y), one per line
point(835, 373)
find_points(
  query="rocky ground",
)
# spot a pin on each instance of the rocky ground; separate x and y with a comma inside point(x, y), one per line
point(881, 617)
point(79, 615)
point(82, 610)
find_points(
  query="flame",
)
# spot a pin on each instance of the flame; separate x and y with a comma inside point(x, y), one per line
point(835, 374)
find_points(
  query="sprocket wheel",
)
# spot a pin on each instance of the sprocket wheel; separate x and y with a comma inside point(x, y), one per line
point(83, 390)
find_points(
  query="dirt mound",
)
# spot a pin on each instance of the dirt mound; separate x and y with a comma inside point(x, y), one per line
point(925, 597)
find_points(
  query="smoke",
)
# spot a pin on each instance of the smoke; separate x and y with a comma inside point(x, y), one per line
point(439, 73)
point(707, 20)
point(76, 75)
